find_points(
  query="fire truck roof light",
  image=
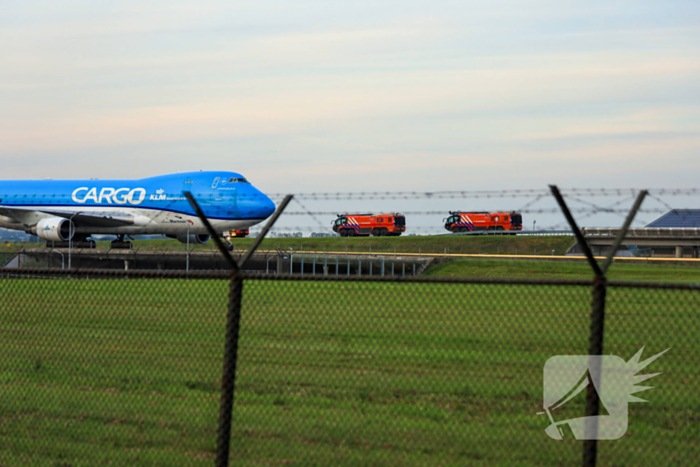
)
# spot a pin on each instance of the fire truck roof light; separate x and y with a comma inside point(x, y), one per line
point(483, 212)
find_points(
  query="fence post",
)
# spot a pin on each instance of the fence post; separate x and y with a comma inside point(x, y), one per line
point(233, 325)
point(590, 445)
point(595, 343)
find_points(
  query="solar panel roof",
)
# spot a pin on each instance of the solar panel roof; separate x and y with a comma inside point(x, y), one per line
point(678, 218)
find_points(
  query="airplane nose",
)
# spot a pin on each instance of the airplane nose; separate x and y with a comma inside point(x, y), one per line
point(255, 205)
point(268, 207)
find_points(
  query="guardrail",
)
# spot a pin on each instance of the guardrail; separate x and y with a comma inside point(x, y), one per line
point(6, 257)
point(525, 233)
point(675, 232)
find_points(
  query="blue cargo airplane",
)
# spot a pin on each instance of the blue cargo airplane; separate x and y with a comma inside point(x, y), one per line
point(63, 210)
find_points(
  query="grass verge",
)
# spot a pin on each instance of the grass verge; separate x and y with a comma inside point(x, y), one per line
point(541, 269)
point(126, 372)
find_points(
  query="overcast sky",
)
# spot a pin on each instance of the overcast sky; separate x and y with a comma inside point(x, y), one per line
point(349, 96)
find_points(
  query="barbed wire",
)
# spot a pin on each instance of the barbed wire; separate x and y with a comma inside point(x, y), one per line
point(309, 213)
point(409, 230)
point(577, 198)
point(552, 210)
point(432, 230)
point(532, 193)
point(607, 209)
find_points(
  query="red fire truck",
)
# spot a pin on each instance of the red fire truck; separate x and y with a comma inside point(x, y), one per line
point(487, 221)
point(237, 233)
point(362, 225)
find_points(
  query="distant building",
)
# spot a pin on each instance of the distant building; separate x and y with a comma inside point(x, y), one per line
point(678, 218)
point(17, 236)
point(286, 235)
point(676, 233)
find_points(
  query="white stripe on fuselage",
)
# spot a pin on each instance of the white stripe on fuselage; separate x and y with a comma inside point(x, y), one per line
point(146, 221)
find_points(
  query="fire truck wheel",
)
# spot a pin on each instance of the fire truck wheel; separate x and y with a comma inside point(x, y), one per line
point(385, 232)
point(376, 233)
point(343, 232)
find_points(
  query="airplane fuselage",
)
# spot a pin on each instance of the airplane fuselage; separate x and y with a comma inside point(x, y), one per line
point(153, 205)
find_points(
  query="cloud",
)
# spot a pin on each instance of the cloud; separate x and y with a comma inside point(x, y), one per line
point(285, 105)
point(391, 95)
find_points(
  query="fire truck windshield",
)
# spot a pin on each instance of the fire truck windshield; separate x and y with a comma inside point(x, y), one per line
point(400, 221)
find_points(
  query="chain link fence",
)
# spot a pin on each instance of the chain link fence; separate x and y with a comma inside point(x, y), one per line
point(125, 368)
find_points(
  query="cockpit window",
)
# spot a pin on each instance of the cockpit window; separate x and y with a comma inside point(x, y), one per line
point(237, 180)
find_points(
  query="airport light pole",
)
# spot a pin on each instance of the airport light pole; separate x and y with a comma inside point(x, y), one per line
point(267, 265)
point(70, 237)
point(63, 259)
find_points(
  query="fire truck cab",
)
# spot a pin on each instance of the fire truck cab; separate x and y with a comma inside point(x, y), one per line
point(363, 225)
point(460, 221)
point(237, 233)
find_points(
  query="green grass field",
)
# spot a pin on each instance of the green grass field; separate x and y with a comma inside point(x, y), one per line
point(542, 269)
point(126, 372)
